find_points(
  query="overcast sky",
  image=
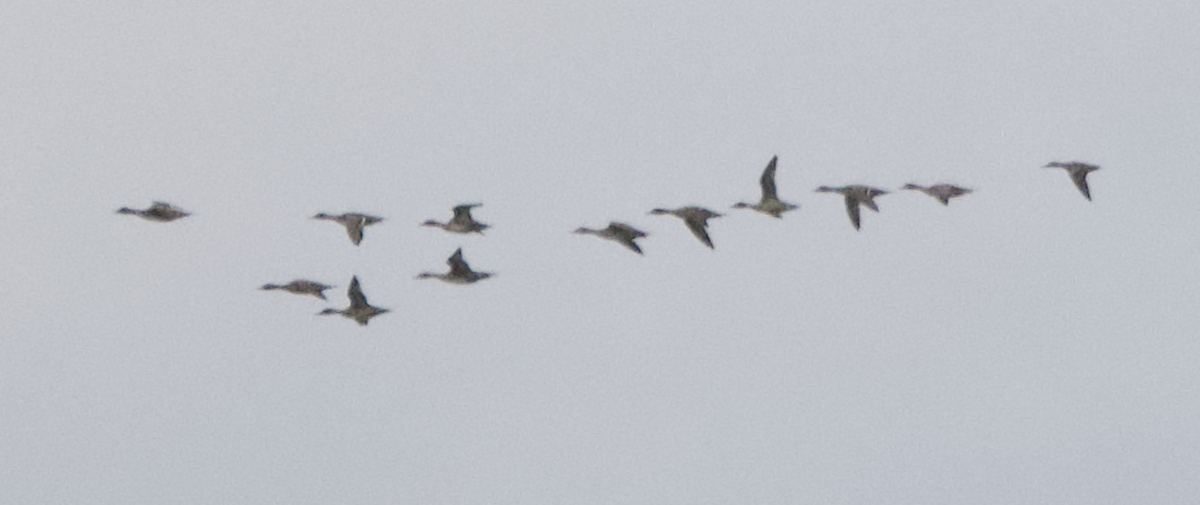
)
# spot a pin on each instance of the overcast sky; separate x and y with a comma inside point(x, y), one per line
point(1022, 345)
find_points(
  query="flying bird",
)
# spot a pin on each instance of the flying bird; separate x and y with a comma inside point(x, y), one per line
point(462, 222)
point(943, 192)
point(696, 219)
point(300, 287)
point(1078, 172)
point(617, 232)
point(856, 195)
point(359, 310)
point(460, 272)
point(353, 222)
point(769, 204)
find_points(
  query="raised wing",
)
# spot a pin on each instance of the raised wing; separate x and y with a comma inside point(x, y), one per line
point(458, 267)
point(768, 180)
point(462, 214)
point(357, 299)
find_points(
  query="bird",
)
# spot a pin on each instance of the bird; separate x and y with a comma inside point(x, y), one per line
point(856, 195)
point(300, 287)
point(696, 219)
point(462, 222)
point(353, 222)
point(159, 211)
point(359, 310)
point(769, 204)
point(617, 232)
point(943, 192)
point(460, 272)
point(1078, 172)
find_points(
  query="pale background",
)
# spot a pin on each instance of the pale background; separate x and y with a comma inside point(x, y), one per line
point(1021, 346)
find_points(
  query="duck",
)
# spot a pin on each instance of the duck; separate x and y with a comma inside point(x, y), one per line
point(460, 272)
point(300, 287)
point(359, 310)
point(856, 195)
point(617, 232)
point(161, 212)
point(1078, 172)
point(462, 222)
point(943, 192)
point(769, 204)
point(354, 223)
point(696, 219)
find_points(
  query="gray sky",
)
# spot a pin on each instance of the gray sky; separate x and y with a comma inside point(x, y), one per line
point(1021, 346)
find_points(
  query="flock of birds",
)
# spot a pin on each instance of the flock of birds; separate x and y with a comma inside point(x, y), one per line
point(696, 219)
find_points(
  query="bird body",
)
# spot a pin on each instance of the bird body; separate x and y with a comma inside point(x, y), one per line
point(856, 195)
point(161, 212)
point(618, 232)
point(1078, 172)
point(353, 221)
point(462, 222)
point(943, 192)
point(460, 272)
point(359, 310)
point(769, 204)
point(696, 219)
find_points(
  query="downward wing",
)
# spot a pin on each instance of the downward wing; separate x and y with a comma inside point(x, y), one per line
point(852, 210)
point(1080, 178)
point(698, 229)
point(355, 230)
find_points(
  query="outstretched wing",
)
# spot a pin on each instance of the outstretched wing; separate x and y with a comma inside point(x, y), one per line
point(768, 180)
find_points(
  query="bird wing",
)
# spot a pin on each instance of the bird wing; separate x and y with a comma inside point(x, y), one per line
point(768, 180)
point(160, 210)
point(1080, 178)
point(852, 210)
point(458, 267)
point(357, 299)
point(698, 229)
point(626, 229)
point(869, 202)
point(462, 215)
point(354, 229)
